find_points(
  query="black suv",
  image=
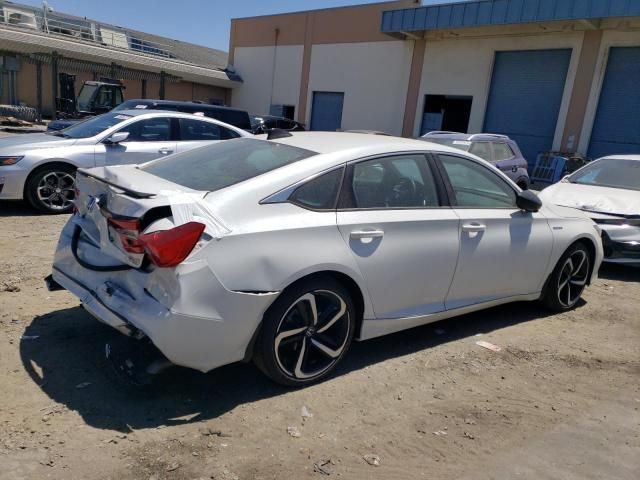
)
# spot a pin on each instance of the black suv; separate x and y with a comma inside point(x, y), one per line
point(232, 116)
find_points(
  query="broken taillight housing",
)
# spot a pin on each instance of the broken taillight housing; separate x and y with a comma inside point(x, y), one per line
point(166, 248)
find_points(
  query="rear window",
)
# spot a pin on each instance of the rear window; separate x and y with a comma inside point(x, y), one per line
point(224, 164)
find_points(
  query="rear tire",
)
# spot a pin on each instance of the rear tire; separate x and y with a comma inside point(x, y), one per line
point(568, 279)
point(51, 188)
point(306, 332)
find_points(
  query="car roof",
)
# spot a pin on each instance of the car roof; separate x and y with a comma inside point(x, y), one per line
point(466, 136)
point(330, 142)
point(208, 106)
point(621, 157)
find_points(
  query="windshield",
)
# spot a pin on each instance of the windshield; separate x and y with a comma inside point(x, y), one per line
point(224, 164)
point(84, 97)
point(611, 172)
point(93, 126)
point(450, 142)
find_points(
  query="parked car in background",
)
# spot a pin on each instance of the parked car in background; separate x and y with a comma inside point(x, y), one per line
point(285, 250)
point(262, 123)
point(498, 150)
point(232, 116)
point(608, 190)
point(40, 167)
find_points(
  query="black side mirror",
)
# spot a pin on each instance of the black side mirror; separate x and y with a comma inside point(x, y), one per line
point(528, 201)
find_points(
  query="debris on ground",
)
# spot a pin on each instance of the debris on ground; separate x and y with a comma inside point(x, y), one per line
point(372, 459)
point(83, 385)
point(10, 285)
point(439, 432)
point(469, 435)
point(305, 413)
point(172, 466)
point(210, 432)
point(488, 346)
point(324, 466)
point(294, 432)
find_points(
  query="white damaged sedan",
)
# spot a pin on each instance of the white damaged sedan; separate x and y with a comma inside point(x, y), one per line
point(608, 190)
point(283, 250)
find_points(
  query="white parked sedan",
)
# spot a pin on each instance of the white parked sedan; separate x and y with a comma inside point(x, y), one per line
point(284, 250)
point(608, 190)
point(40, 167)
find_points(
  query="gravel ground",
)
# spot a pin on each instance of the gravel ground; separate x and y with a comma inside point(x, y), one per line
point(560, 400)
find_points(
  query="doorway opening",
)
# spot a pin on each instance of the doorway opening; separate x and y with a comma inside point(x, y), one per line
point(446, 112)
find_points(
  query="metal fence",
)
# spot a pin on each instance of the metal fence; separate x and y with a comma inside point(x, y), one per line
point(51, 23)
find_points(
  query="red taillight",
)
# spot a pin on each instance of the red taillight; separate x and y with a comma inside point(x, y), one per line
point(168, 248)
point(128, 229)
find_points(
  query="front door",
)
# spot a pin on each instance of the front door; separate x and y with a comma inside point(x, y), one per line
point(148, 139)
point(504, 251)
point(404, 242)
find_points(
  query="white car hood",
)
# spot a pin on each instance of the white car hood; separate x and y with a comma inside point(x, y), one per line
point(614, 201)
point(19, 144)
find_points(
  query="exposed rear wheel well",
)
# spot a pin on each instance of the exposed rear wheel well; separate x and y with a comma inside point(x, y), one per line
point(345, 280)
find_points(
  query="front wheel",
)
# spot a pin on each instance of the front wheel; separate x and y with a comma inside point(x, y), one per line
point(51, 189)
point(306, 332)
point(568, 280)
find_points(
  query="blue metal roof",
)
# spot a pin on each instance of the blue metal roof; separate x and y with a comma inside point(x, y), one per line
point(479, 13)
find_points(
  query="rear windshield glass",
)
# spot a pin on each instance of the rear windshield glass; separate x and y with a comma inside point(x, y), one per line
point(224, 164)
point(610, 172)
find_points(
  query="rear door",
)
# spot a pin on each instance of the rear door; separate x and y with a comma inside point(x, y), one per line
point(196, 133)
point(503, 251)
point(149, 138)
point(394, 219)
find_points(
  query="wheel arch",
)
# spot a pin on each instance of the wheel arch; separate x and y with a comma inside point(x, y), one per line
point(590, 244)
point(355, 290)
point(41, 166)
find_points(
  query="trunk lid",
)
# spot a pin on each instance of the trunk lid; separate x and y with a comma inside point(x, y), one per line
point(121, 193)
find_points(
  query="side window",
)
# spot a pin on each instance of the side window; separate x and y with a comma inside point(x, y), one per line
point(502, 151)
point(394, 182)
point(476, 186)
point(481, 149)
point(319, 193)
point(149, 130)
point(197, 130)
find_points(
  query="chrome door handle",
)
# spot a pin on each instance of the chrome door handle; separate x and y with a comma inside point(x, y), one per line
point(474, 227)
point(360, 234)
point(165, 151)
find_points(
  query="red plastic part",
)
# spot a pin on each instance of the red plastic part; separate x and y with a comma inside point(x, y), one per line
point(168, 248)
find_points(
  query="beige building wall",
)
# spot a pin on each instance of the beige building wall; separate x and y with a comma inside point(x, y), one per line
point(271, 76)
point(373, 76)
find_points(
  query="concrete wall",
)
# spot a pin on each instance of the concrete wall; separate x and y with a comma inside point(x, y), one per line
point(263, 85)
point(373, 76)
point(463, 66)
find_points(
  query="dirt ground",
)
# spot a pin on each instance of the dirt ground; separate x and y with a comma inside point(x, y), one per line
point(560, 400)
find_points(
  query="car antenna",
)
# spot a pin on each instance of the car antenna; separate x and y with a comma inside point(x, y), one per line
point(275, 133)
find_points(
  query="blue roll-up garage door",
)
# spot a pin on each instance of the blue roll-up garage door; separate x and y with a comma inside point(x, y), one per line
point(326, 111)
point(616, 128)
point(525, 97)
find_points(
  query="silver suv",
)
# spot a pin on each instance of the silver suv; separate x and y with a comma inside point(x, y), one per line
point(498, 150)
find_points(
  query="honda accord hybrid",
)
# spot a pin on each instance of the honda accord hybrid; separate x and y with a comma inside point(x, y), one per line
point(286, 249)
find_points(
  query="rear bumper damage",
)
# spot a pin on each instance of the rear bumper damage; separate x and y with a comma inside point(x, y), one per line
point(186, 312)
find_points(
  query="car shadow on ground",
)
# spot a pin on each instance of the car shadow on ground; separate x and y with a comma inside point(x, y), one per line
point(17, 208)
point(622, 273)
point(69, 352)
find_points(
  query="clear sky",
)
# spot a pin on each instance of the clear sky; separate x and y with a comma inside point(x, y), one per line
point(205, 22)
